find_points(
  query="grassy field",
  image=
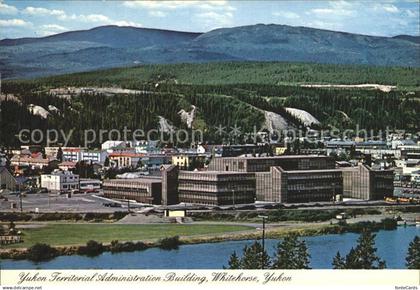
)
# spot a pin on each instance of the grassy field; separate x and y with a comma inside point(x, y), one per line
point(76, 234)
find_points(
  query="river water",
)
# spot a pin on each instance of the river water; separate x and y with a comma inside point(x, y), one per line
point(392, 247)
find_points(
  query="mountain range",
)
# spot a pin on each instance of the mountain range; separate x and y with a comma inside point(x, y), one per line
point(115, 46)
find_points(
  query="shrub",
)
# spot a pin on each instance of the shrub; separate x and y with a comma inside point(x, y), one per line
point(119, 215)
point(54, 216)
point(92, 249)
point(41, 252)
point(11, 216)
point(92, 216)
point(117, 247)
point(171, 243)
point(389, 224)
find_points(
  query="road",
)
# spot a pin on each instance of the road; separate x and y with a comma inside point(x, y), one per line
point(57, 203)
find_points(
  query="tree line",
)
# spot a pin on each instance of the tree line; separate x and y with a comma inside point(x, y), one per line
point(225, 94)
point(292, 253)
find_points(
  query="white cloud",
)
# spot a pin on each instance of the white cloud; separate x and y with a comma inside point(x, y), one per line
point(62, 15)
point(390, 8)
point(210, 14)
point(85, 18)
point(99, 19)
point(14, 23)
point(126, 23)
point(386, 8)
point(39, 11)
point(7, 9)
point(212, 19)
point(341, 4)
point(411, 14)
point(50, 29)
point(157, 13)
point(331, 11)
point(93, 18)
point(168, 5)
point(334, 9)
point(322, 11)
point(287, 14)
point(53, 27)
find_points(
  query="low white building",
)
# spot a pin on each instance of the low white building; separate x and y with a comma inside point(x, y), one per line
point(72, 154)
point(60, 180)
point(87, 184)
point(75, 154)
point(415, 177)
point(94, 156)
point(408, 166)
point(110, 145)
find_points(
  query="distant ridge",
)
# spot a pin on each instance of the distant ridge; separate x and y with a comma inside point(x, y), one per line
point(114, 46)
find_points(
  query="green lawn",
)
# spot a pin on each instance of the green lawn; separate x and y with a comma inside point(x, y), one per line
point(72, 234)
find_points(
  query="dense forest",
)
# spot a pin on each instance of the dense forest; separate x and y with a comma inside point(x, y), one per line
point(226, 94)
point(273, 73)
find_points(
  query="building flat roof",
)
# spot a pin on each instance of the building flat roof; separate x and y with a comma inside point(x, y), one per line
point(216, 172)
point(312, 171)
point(140, 180)
point(275, 157)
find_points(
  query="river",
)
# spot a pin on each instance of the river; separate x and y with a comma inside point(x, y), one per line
point(392, 247)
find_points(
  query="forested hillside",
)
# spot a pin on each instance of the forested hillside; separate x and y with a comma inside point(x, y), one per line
point(273, 73)
point(226, 94)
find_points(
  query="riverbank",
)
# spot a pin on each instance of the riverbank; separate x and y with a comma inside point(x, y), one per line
point(392, 247)
point(246, 234)
point(74, 234)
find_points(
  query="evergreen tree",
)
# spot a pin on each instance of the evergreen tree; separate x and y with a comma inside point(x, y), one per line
point(106, 162)
point(255, 258)
point(362, 257)
point(413, 254)
point(59, 154)
point(43, 153)
point(234, 262)
point(366, 252)
point(339, 262)
point(291, 254)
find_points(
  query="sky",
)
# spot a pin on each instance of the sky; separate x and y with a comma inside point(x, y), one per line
point(42, 18)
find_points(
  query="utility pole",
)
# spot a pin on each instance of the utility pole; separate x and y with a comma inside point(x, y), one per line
point(233, 197)
point(20, 200)
point(128, 205)
point(263, 239)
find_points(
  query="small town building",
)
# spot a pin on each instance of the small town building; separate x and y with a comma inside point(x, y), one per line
point(111, 145)
point(125, 159)
point(367, 183)
point(216, 188)
point(144, 190)
point(67, 165)
point(88, 184)
point(94, 156)
point(7, 181)
point(60, 180)
point(39, 162)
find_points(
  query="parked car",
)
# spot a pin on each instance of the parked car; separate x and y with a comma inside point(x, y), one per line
point(112, 204)
point(43, 190)
point(92, 191)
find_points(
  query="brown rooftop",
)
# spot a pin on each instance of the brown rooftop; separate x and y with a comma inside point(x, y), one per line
point(276, 157)
point(141, 180)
